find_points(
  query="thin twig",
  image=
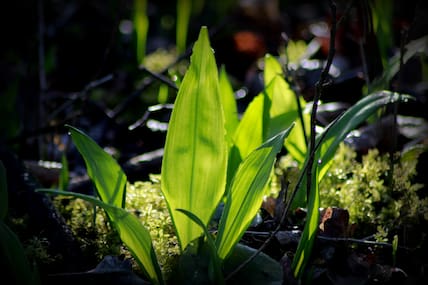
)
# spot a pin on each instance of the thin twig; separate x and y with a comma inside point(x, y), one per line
point(285, 212)
point(395, 113)
point(312, 147)
point(161, 78)
point(320, 85)
point(81, 95)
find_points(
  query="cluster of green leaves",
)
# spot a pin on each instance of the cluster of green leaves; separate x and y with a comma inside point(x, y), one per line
point(361, 187)
point(194, 170)
point(212, 157)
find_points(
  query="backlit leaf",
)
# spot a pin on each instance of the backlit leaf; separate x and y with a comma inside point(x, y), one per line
point(246, 193)
point(195, 158)
point(107, 175)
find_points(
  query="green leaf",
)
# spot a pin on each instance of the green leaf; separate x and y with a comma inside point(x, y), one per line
point(329, 141)
point(249, 133)
point(418, 46)
point(3, 192)
point(304, 249)
point(261, 270)
point(131, 231)
point(296, 143)
point(107, 175)
point(336, 132)
point(15, 266)
point(195, 158)
point(285, 109)
point(218, 276)
point(382, 13)
point(228, 101)
point(246, 193)
point(257, 124)
point(272, 69)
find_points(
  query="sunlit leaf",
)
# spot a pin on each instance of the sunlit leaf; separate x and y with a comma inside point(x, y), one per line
point(304, 248)
point(272, 68)
point(195, 158)
point(107, 175)
point(296, 143)
point(229, 104)
point(249, 133)
point(131, 231)
point(246, 193)
point(285, 109)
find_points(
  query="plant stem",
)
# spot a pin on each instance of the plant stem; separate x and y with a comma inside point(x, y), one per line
point(319, 91)
point(393, 146)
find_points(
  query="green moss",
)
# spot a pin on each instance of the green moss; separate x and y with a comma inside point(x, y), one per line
point(146, 200)
point(91, 228)
point(361, 187)
point(98, 239)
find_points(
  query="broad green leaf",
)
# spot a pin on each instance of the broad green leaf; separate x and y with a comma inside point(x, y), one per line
point(131, 231)
point(271, 111)
point(248, 135)
point(228, 101)
point(195, 158)
point(3, 192)
point(107, 175)
point(307, 240)
point(16, 268)
point(246, 193)
point(285, 110)
point(272, 69)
